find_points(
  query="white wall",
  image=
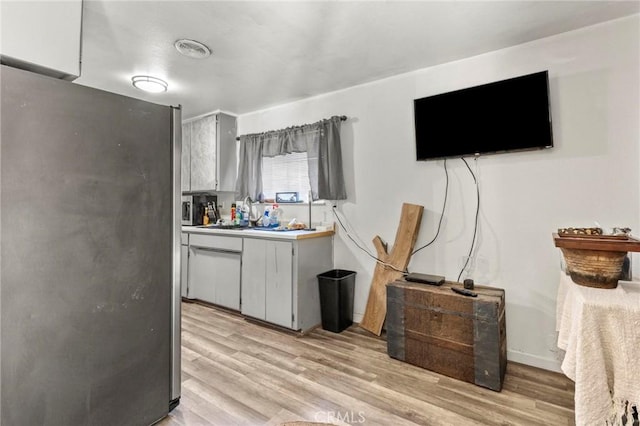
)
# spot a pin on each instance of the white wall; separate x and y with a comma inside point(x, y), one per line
point(590, 174)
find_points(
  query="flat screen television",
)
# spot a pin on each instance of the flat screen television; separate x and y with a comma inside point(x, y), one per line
point(507, 115)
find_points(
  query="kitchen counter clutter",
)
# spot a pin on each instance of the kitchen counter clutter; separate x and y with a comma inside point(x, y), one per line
point(267, 275)
point(259, 232)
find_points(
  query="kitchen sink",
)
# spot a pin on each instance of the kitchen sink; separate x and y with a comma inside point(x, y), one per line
point(278, 229)
point(229, 227)
point(253, 228)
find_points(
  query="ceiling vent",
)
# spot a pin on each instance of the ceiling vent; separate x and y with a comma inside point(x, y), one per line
point(192, 48)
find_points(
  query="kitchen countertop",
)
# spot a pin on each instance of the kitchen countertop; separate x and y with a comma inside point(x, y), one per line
point(259, 233)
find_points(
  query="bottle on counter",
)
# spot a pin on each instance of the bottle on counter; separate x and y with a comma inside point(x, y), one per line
point(205, 217)
point(245, 216)
point(266, 221)
point(274, 218)
point(233, 212)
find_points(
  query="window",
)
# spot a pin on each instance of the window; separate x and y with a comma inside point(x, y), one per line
point(286, 173)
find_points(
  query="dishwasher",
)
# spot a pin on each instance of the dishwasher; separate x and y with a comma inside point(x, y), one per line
point(214, 269)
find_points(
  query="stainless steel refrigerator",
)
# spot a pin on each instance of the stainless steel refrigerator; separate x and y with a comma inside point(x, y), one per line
point(89, 260)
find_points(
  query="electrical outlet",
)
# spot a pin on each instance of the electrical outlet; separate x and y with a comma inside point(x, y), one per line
point(223, 205)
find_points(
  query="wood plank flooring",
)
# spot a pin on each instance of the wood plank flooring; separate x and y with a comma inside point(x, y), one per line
point(235, 372)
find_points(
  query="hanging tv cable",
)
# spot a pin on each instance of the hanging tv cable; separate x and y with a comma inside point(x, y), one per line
point(444, 206)
point(475, 228)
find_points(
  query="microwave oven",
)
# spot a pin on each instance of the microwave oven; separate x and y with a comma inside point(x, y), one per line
point(194, 206)
point(187, 210)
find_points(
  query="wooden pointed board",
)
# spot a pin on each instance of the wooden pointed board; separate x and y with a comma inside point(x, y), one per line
point(398, 258)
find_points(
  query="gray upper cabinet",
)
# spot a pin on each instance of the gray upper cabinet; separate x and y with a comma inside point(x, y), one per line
point(227, 159)
point(42, 37)
point(203, 153)
point(209, 158)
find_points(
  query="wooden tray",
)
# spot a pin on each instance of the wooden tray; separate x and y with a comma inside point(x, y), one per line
point(601, 237)
point(607, 244)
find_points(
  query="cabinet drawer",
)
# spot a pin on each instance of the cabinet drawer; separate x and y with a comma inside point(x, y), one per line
point(216, 242)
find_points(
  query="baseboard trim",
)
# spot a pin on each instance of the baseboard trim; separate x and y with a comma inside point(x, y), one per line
point(534, 360)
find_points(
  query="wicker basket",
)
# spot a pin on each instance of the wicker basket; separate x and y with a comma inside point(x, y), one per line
point(594, 268)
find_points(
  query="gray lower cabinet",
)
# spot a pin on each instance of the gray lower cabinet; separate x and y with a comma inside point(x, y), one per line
point(279, 283)
point(214, 270)
point(254, 276)
point(267, 271)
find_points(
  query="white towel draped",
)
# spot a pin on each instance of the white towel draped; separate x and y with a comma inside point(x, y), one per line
point(600, 331)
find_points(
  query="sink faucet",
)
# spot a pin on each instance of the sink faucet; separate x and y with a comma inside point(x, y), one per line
point(248, 201)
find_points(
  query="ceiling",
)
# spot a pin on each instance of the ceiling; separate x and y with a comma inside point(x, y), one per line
point(271, 52)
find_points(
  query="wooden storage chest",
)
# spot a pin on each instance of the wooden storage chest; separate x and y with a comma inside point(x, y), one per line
point(458, 336)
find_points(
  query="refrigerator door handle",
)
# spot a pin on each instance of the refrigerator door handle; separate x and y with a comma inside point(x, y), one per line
point(176, 136)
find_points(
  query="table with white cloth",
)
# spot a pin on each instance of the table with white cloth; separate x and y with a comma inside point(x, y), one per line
point(599, 329)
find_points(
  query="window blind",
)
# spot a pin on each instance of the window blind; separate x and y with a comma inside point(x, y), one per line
point(286, 173)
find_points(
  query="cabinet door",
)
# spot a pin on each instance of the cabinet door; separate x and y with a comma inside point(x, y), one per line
point(226, 279)
point(184, 268)
point(227, 153)
point(202, 264)
point(203, 154)
point(253, 277)
point(279, 283)
point(185, 178)
point(44, 36)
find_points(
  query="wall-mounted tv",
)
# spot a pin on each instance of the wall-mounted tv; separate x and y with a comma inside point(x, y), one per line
point(507, 115)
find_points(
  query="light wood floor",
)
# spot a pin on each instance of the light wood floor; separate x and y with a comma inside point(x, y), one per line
point(235, 372)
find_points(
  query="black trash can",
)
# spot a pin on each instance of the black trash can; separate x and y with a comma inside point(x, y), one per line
point(336, 299)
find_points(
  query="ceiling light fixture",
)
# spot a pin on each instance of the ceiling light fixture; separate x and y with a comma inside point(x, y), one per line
point(149, 84)
point(192, 48)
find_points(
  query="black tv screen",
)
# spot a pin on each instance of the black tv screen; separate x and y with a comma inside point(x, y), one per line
point(507, 115)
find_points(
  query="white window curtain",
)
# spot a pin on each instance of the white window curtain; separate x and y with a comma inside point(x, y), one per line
point(321, 142)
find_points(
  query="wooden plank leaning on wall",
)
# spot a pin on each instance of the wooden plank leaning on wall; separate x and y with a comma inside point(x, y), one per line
point(394, 262)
